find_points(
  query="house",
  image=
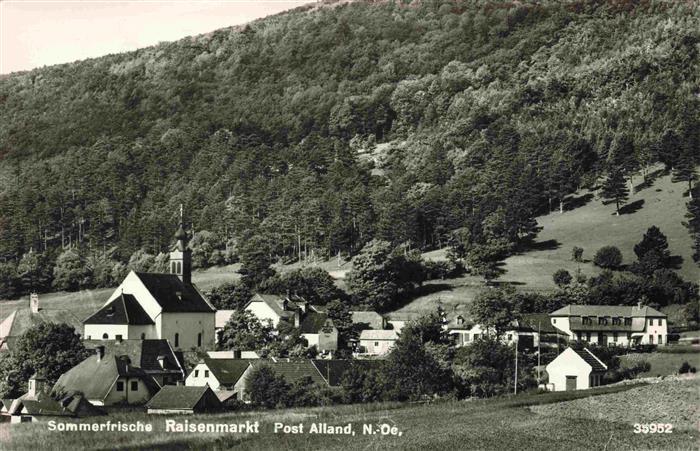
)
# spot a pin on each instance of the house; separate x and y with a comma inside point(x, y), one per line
point(398, 320)
point(319, 331)
point(291, 371)
point(575, 369)
point(183, 400)
point(464, 331)
point(220, 375)
point(535, 329)
point(6, 336)
point(612, 325)
point(155, 357)
point(158, 306)
point(275, 309)
point(38, 403)
point(333, 370)
point(108, 379)
point(368, 320)
point(377, 342)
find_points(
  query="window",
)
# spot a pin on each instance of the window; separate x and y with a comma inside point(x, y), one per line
point(586, 321)
point(615, 337)
point(466, 337)
point(578, 336)
point(588, 336)
point(660, 340)
point(376, 343)
point(206, 373)
point(143, 335)
point(177, 340)
point(629, 336)
point(554, 321)
point(105, 336)
point(602, 321)
point(510, 337)
point(196, 373)
point(651, 339)
point(661, 322)
point(199, 339)
point(616, 321)
point(120, 386)
point(651, 322)
point(179, 268)
point(172, 267)
point(118, 337)
point(134, 385)
point(628, 321)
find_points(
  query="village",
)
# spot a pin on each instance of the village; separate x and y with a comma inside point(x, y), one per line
point(140, 336)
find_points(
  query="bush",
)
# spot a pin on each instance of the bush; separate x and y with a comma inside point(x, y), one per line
point(267, 389)
point(608, 257)
point(577, 254)
point(686, 368)
point(562, 277)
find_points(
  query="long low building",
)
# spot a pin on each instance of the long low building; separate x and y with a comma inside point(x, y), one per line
point(612, 325)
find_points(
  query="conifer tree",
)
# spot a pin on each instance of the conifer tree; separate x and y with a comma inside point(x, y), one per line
point(615, 189)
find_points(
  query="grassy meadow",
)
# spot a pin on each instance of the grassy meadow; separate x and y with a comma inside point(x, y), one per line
point(502, 423)
point(662, 363)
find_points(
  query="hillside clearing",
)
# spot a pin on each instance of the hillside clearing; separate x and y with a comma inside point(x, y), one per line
point(662, 363)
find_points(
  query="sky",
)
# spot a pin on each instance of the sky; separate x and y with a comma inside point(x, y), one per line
point(34, 33)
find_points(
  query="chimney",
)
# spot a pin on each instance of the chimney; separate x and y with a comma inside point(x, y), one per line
point(100, 353)
point(297, 319)
point(236, 353)
point(639, 304)
point(37, 385)
point(161, 361)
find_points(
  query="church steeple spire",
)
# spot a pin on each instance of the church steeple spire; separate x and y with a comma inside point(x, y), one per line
point(181, 255)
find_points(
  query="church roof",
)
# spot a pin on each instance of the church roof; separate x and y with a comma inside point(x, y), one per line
point(123, 310)
point(173, 295)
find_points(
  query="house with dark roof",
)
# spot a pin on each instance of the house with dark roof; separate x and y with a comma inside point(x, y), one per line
point(575, 369)
point(220, 375)
point(612, 325)
point(108, 379)
point(179, 399)
point(39, 403)
point(155, 357)
point(274, 308)
point(319, 331)
point(158, 306)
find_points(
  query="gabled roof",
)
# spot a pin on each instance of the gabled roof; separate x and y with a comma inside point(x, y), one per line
point(276, 303)
point(313, 322)
point(222, 317)
point(332, 370)
point(180, 397)
point(372, 320)
point(293, 371)
point(122, 310)
point(537, 322)
point(6, 325)
point(454, 323)
point(70, 406)
point(143, 353)
point(227, 371)
point(607, 310)
point(590, 358)
point(370, 334)
point(95, 378)
point(173, 295)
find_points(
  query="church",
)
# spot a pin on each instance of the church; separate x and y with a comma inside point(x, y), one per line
point(158, 306)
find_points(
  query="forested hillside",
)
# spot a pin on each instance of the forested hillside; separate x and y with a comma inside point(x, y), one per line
point(489, 113)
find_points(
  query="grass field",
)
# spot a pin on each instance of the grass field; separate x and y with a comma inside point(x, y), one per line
point(662, 363)
point(505, 423)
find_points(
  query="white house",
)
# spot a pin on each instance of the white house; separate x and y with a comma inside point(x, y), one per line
point(108, 379)
point(377, 342)
point(220, 375)
point(162, 306)
point(575, 370)
point(612, 325)
point(529, 331)
point(275, 309)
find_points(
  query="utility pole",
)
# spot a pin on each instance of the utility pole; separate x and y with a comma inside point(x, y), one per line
point(539, 337)
point(516, 366)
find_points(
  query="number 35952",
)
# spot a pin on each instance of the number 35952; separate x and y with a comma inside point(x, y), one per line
point(653, 428)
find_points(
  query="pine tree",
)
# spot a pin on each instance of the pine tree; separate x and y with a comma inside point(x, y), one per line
point(684, 170)
point(693, 223)
point(615, 189)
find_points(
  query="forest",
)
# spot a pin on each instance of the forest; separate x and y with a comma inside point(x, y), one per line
point(313, 132)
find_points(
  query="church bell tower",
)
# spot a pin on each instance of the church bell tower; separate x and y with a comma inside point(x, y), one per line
point(181, 255)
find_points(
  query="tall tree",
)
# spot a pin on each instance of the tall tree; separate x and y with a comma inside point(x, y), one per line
point(615, 189)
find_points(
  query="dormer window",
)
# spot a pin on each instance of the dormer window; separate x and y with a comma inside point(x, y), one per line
point(616, 321)
point(460, 320)
point(628, 321)
point(586, 321)
point(602, 321)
